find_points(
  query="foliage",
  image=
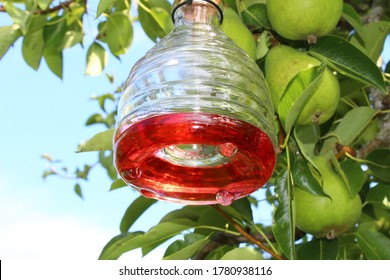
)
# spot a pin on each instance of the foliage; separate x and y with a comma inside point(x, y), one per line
point(360, 156)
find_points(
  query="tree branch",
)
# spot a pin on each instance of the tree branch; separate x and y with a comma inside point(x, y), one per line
point(247, 235)
point(221, 238)
point(218, 240)
point(376, 13)
point(60, 6)
point(380, 102)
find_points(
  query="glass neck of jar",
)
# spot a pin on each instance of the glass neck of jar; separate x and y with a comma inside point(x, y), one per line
point(198, 12)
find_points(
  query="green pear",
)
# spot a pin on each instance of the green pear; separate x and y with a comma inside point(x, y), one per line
point(282, 64)
point(236, 30)
point(304, 19)
point(327, 216)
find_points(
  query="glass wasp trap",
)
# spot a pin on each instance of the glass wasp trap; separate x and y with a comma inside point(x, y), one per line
point(195, 121)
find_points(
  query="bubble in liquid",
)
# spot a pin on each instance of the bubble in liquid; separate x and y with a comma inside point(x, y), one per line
point(224, 198)
point(132, 173)
point(227, 149)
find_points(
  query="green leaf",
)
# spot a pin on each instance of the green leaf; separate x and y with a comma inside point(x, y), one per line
point(97, 58)
point(119, 34)
point(77, 190)
point(348, 60)
point(375, 34)
point(318, 249)
point(32, 49)
point(102, 99)
point(354, 19)
point(379, 163)
point(103, 6)
point(307, 137)
point(102, 141)
point(231, 3)
point(284, 225)
point(190, 212)
point(94, 119)
point(48, 173)
point(187, 248)
point(240, 209)
point(117, 184)
point(348, 248)
point(149, 248)
point(350, 87)
point(54, 61)
point(303, 177)
point(44, 4)
point(353, 176)
point(213, 219)
point(244, 253)
point(163, 19)
point(153, 18)
point(75, 13)
point(254, 15)
point(71, 38)
point(298, 93)
point(33, 43)
point(19, 16)
point(116, 246)
point(374, 245)
point(37, 22)
point(263, 44)
point(134, 211)
point(54, 31)
point(218, 253)
point(83, 173)
point(106, 160)
point(379, 195)
point(111, 79)
point(122, 5)
point(110, 119)
point(157, 234)
point(102, 28)
point(8, 36)
point(353, 124)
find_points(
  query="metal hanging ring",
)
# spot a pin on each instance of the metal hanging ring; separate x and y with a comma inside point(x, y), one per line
point(189, 2)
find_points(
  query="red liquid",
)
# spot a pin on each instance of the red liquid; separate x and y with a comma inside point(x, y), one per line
point(249, 161)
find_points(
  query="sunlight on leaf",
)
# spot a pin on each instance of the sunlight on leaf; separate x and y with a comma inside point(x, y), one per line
point(244, 253)
point(102, 141)
point(97, 59)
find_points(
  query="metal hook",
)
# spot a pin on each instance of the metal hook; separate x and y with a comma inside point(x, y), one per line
point(189, 2)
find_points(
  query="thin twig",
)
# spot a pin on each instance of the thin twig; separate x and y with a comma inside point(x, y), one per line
point(223, 238)
point(60, 6)
point(246, 234)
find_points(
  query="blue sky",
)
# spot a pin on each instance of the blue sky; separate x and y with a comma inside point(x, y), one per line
point(40, 113)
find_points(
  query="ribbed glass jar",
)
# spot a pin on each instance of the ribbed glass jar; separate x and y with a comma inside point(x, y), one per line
point(195, 121)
